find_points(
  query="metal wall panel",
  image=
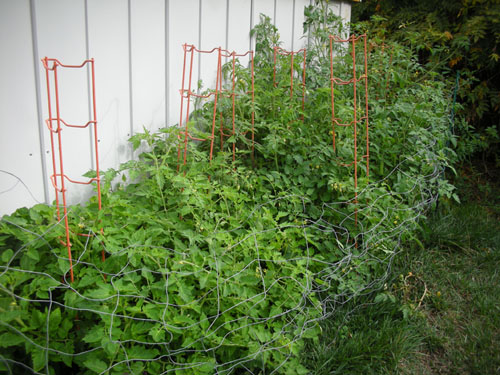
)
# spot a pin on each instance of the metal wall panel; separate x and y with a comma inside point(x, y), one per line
point(137, 46)
point(148, 64)
point(238, 38)
point(212, 35)
point(284, 22)
point(298, 29)
point(21, 178)
point(183, 27)
point(335, 7)
point(109, 45)
point(266, 7)
point(61, 34)
point(345, 11)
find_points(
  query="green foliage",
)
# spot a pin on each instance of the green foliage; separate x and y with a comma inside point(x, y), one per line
point(225, 265)
point(450, 38)
point(182, 272)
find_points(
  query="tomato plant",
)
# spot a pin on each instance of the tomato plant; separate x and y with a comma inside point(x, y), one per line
point(225, 266)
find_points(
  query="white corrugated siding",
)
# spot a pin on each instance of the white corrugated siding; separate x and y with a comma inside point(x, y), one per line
point(137, 48)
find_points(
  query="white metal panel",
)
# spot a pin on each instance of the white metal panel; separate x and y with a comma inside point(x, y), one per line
point(213, 24)
point(213, 35)
point(345, 11)
point(183, 27)
point(335, 7)
point(265, 7)
point(61, 35)
point(19, 140)
point(342, 9)
point(299, 39)
point(148, 64)
point(239, 27)
point(109, 46)
point(284, 22)
point(118, 37)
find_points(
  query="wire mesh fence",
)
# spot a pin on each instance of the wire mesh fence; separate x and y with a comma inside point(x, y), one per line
point(226, 274)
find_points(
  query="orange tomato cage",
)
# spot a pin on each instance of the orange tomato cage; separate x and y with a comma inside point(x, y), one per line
point(187, 96)
point(292, 54)
point(56, 124)
point(356, 120)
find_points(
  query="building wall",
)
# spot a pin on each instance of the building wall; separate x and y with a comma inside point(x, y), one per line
point(137, 47)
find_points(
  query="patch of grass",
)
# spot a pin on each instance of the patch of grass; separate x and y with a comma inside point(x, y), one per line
point(364, 337)
point(460, 268)
point(440, 313)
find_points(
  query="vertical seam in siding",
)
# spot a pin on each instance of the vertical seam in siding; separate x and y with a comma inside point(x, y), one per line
point(227, 27)
point(34, 44)
point(199, 40)
point(293, 23)
point(167, 62)
point(251, 25)
point(309, 31)
point(89, 90)
point(274, 17)
point(131, 93)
